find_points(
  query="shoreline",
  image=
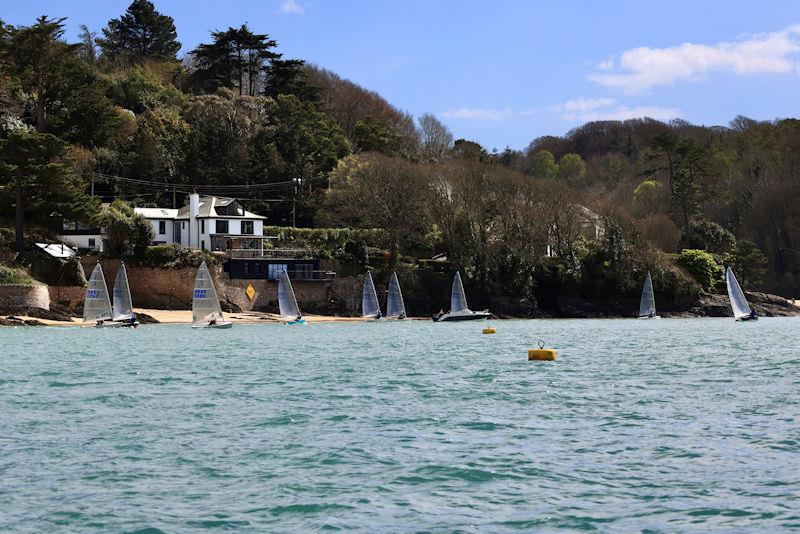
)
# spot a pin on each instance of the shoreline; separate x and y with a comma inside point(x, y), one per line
point(184, 317)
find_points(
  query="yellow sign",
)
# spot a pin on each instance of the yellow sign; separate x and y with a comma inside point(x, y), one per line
point(250, 291)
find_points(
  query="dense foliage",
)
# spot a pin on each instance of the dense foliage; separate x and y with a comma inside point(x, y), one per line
point(119, 116)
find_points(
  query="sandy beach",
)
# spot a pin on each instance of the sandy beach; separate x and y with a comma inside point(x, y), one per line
point(185, 317)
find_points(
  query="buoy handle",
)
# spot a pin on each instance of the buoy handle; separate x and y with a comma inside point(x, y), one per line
point(541, 344)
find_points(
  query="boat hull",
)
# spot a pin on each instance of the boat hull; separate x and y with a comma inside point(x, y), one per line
point(222, 324)
point(114, 324)
point(744, 319)
point(301, 321)
point(649, 317)
point(473, 316)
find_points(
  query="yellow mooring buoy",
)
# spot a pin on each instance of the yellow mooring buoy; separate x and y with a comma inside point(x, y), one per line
point(542, 354)
point(490, 330)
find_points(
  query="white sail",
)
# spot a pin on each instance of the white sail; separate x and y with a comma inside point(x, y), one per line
point(97, 305)
point(370, 307)
point(647, 306)
point(287, 303)
point(458, 300)
point(123, 305)
point(395, 307)
point(205, 302)
point(738, 302)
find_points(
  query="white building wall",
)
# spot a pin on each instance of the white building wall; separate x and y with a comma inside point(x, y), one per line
point(168, 235)
point(82, 241)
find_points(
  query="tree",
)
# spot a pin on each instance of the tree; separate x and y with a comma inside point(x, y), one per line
point(543, 165)
point(236, 59)
point(35, 169)
point(685, 164)
point(139, 34)
point(748, 262)
point(469, 150)
point(288, 77)
point(88, 44)
point(125, 229)
point(571, 167)
point(436, 138)
point(35, 55)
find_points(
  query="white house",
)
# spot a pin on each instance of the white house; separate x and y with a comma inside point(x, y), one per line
point(207, 223)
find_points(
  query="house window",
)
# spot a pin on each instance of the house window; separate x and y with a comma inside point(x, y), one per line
point(247, 227)
point(203, 226)
point(162, 227)
point(182, 225)
point(202, 244)
point(246, 268)
point(222, 227)
point(91, 242)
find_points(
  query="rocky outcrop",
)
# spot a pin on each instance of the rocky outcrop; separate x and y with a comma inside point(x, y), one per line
point(765, 304)
point(18, 297)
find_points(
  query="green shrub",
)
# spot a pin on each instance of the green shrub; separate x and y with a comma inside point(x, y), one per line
point(170, 256)
point(331, 243)
point(14, 276)
point(702, 266)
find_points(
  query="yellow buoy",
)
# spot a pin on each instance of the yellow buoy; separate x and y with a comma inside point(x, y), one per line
point(542, 354)
point(490, 330)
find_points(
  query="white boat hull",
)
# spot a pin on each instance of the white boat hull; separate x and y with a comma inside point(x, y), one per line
point(220, 324)
point(463, 315)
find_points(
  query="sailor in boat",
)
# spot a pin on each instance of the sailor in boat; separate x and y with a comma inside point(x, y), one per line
point(99, 322)
point(437, 315)
point(132, 320)
point(298, 318)
point(212, 322)
point(753, 315)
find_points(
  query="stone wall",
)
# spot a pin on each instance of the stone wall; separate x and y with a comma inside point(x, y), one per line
point(20, 297)
point(69, 296)
point(172, 288)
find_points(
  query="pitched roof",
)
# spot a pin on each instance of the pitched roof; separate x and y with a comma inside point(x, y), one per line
point(157, 213)
point(57, 250)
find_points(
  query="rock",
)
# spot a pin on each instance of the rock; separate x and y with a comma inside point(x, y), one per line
point(143, 318)
point(230, 306)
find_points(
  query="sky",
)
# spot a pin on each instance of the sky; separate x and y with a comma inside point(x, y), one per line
point(505, 72)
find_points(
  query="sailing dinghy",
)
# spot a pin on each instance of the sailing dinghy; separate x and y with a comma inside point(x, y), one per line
point(287, 303)
point(370, 307)
point(647, 305)
point(206, 311)
point(97, 305)
point(395, 307)
point(123, 305)
point(459, 311)
point(741, 309)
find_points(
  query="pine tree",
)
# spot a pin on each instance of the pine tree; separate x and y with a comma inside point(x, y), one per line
point(141, 33)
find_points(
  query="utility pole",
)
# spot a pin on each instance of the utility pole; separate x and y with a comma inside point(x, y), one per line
point(92, 184)
point(174, 203)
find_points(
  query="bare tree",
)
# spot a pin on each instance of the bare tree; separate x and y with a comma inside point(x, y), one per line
point(436, 138)
point(88, 46)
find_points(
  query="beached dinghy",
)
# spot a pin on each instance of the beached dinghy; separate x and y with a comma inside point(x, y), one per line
point(395, 307)
point(97, 305)
point(287, 303)
point(741, 309)
point(647, 304)
point(459, 311)
point(370, 307)
point(206, 311)
point(123, 305)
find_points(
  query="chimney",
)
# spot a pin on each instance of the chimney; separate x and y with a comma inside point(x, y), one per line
point(194, 224)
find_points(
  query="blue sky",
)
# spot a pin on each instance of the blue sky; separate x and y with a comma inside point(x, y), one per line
point(505, 72)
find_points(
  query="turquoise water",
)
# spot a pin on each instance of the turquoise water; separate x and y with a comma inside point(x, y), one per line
point(657, 426)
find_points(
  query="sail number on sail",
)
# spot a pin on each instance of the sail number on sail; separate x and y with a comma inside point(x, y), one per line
point(200, 293)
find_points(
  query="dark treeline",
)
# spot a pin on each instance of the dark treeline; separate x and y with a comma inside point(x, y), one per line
point(119, 114)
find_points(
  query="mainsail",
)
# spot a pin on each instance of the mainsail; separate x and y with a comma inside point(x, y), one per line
point(370, 307)
point(123, 306)
point(647, 306)
point(458, 300)
point(735, 293)
point(287, 303)
point(97, 306)
point(205, 303)
point(395, 307)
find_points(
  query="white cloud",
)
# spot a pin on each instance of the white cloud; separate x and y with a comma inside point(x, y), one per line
point(607, 109)
point(291, 6)
point(478, 114)
point(583, 104)
point(606, 65)
point(621, 113)
point(642, 68)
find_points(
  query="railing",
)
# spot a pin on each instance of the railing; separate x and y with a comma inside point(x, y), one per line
point(270, 253)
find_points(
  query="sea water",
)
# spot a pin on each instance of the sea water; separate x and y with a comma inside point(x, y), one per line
point(657, 426)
